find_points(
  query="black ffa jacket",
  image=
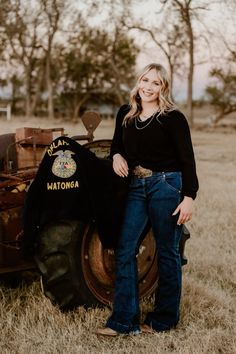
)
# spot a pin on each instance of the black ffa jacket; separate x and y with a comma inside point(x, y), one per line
point(72, 183)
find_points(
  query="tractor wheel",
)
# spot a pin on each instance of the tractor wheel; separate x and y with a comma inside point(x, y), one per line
point(76, 270)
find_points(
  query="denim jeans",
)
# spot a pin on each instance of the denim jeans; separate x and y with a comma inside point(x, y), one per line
point(152, 198)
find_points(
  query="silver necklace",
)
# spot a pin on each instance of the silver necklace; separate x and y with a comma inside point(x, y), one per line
point(145, 125)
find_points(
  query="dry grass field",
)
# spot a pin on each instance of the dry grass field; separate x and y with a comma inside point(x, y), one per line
point(29, 324)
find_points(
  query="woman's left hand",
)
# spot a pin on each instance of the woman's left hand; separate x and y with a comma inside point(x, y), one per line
point(185, 209)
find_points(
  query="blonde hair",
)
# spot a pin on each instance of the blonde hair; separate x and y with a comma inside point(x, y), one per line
point(164, 100)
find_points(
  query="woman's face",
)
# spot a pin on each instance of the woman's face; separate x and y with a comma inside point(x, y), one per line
point(149, 86)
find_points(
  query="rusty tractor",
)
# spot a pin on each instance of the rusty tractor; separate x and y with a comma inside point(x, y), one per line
point(75, 268)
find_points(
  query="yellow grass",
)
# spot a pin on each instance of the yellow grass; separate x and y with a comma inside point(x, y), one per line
point(30, 324)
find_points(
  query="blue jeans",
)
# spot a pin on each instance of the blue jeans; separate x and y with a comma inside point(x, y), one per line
point(152, 198)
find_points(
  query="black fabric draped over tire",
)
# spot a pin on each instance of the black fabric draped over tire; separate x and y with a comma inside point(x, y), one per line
point(91, 193)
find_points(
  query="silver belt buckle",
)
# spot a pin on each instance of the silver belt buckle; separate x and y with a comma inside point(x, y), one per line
point(142, 172)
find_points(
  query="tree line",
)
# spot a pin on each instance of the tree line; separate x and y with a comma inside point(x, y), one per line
point(52, 57)
point(56, 59)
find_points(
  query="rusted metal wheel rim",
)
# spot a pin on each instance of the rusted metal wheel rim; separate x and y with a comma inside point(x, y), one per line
point(98, 266)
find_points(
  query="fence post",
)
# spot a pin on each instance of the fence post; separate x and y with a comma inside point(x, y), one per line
point(8, 111)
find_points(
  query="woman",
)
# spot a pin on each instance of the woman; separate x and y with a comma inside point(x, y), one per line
point(152, 144)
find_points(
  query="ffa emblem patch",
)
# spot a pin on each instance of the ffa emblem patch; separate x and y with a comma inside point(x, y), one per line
point(64, 166)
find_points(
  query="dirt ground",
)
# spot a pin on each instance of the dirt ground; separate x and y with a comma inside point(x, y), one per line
point(30, 324)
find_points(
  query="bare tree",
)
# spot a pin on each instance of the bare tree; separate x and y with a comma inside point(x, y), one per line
point(186, 12)
point(53, 11)
point(222, 94)
point(184, 9)
point(21, 38)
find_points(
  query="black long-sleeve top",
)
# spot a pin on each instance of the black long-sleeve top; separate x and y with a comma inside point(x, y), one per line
point(162, 144)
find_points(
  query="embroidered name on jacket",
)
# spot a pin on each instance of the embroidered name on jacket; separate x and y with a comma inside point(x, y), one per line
point(55, 145)
point(64, 165)
point(62, 185)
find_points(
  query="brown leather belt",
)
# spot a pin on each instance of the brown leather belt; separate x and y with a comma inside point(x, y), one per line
point(141, 172)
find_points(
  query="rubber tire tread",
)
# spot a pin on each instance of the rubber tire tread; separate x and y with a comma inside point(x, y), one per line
point(58, 257)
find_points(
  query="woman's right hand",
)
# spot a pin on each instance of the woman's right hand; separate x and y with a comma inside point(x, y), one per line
point(120, 165)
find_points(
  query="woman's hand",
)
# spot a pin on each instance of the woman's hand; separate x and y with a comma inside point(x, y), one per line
point(120, 165)
point(185, 209)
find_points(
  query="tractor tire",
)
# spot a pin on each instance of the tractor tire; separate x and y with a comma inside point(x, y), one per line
point(76, 270)
point(58, 258)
